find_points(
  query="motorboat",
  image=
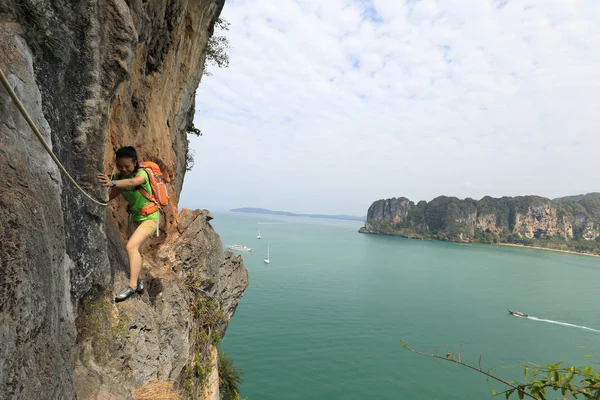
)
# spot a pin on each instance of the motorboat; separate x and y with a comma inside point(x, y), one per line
point(238, 247)
point(518, 314)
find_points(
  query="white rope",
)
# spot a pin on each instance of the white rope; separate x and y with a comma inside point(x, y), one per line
point(13, 95)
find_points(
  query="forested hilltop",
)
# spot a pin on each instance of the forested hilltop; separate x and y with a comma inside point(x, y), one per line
point(567, 223)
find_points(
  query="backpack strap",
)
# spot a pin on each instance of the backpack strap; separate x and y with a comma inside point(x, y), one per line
point(143, 192)
point(150, 197)
point(147, 195)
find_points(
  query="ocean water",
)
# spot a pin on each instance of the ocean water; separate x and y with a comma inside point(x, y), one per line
point(324, 320)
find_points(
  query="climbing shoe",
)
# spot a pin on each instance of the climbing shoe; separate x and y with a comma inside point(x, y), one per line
point(140, 286)
point(124, 294)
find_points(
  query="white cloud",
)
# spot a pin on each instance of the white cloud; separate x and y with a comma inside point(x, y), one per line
point(328, 106)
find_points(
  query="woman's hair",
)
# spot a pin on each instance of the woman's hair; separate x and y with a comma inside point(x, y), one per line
point(129, 152)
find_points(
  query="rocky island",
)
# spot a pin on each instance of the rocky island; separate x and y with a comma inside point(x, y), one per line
point(568, 223)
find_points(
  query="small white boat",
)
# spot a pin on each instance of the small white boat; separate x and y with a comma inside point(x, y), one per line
point(258, 236)
point(267, 259)
point(238, 247)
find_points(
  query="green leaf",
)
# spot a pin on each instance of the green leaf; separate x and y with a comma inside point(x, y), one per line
point(587, 370)
point(525, 372)
point(494, 393)
point(569, 376)
point(542, 395)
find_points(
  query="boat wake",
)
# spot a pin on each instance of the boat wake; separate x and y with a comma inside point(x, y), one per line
point(563, 324)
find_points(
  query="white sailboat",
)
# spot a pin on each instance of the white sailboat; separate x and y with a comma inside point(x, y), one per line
point(267, 259)
point(258, 236)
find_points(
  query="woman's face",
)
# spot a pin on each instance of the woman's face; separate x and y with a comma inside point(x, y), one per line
point(125, 165)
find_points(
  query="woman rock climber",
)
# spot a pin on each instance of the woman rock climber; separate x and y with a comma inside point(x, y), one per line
point(128, 182)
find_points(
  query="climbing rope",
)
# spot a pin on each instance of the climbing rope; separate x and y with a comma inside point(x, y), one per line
point(13, 95)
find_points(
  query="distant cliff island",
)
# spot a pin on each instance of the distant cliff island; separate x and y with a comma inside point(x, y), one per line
point(567, 223)
point(289, 214)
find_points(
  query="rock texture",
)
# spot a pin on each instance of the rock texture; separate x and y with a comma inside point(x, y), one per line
point(94, 76)
point(569, 223)
point(152, 335)
point(36, 315)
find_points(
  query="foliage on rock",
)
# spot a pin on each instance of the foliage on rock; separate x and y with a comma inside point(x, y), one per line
point(230, 378)
point(36, 33)
point(218, 47)
point(99, 324)
point(210, 319)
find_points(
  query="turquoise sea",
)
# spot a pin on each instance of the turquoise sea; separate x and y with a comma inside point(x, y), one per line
point(324, 320)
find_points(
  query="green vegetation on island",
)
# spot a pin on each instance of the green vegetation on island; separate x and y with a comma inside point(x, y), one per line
point(569, 223)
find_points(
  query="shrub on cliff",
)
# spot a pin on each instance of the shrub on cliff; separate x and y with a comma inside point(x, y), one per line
point(218, 46)
point(217, 54)
point(32, 17)
point(230, 378)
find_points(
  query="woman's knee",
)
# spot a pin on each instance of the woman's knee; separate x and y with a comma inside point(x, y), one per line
point(132, 247)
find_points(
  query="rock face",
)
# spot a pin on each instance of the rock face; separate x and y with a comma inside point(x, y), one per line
point(156, 335)
point(569, 223)
point(395, 209)
point(95, 76)
point(37, 329)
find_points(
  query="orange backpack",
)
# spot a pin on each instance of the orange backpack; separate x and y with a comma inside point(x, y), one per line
point(159, 199)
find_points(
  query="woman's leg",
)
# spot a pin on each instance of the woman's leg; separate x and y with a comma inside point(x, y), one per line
point(141, 234)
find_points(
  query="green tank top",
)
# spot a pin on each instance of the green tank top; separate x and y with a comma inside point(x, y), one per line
point(136, 200)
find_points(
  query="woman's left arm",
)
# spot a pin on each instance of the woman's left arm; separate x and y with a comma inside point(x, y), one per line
point(131, 182)
point(121, 183)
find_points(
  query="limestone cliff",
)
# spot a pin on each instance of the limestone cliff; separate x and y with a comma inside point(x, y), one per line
point(568, 223)
point(94, 76)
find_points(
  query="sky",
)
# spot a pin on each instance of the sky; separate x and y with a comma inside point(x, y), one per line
point(330, 105)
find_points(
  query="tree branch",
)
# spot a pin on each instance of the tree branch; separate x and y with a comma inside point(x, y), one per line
point(452, 358)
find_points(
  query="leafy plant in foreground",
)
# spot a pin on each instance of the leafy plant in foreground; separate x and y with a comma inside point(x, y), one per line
point(570, 381)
